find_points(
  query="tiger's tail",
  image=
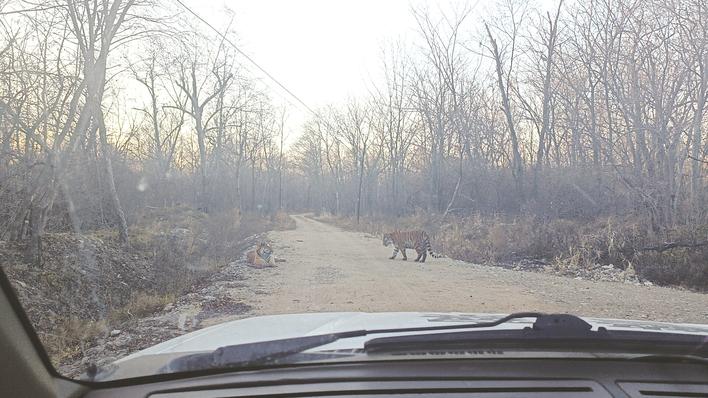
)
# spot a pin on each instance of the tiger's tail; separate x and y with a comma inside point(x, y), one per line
point(430, 249)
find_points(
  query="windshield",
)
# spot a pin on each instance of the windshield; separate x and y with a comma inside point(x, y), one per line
point(279, 169)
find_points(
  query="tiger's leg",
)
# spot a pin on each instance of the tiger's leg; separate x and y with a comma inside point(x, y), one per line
point(403, 251)
point(419, 255)
point(425, 255)
point(395, 253)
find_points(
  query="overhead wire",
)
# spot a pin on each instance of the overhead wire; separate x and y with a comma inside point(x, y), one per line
point(249, 59)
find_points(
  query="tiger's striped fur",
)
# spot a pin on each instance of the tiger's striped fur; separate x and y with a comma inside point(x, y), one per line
point(262, 255)
point(402, 240)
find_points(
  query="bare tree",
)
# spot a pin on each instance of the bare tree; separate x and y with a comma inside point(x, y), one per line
point(504, 58)
point(395, 120)
point(96, 28)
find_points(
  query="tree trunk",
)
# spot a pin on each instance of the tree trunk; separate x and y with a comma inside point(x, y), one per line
point(516, 166)
point(697, 144)
point(253, 186)
point(108, 165)
point(361, 182)
point(33, 253)
point(610, 123)
point(201, 138)
point(280, 173)
point(71, 208)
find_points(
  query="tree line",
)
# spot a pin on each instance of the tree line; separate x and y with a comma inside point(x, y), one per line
point(591, 108)
point(109, 107)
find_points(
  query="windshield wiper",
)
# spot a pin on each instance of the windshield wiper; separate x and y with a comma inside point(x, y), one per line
point(670, 358)
point(274, 351)
point(251, 354)
point(552, 332)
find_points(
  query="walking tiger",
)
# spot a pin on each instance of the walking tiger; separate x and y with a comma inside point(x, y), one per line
point(402, 240)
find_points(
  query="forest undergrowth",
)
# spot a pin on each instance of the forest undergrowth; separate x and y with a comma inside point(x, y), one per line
point(91, 284)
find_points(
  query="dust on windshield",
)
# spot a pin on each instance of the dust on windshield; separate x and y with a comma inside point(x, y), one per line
point(167, 165)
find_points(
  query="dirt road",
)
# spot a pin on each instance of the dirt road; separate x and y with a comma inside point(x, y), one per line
point(328, 269)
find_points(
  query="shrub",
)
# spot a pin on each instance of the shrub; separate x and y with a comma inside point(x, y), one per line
point(282, 221)
point(141, 305)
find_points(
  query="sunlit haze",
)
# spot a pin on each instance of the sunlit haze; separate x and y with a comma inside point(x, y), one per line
point(322, 51)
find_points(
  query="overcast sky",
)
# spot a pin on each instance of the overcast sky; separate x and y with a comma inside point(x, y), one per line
point(324, 51)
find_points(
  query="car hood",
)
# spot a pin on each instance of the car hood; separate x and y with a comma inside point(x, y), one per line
point(273, 327)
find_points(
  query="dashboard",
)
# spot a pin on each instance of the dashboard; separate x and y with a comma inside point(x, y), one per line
point(440, 378)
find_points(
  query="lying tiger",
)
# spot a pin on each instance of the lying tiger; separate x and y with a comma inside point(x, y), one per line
point(262, 255)
point(402, 240)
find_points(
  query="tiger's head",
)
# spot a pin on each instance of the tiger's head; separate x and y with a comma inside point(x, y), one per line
point(387, 239)
point(264, 250)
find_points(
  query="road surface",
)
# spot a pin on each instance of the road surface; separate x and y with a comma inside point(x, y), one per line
point(329, 269)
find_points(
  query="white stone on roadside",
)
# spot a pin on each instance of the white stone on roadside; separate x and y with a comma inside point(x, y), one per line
point(182, 321)
point(20, 283)
point(115, 332)
point(629, 272)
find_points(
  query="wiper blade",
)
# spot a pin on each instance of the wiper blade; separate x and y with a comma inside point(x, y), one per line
point(250, 354)
point(555, 331)
point(671, 358)
point(549, 330)
point(275, 351)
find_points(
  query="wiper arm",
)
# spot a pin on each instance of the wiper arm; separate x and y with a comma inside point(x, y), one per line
point(271, 352)
point(671, 358)
point(555, 331)
point(548, 330)
point(250, 354)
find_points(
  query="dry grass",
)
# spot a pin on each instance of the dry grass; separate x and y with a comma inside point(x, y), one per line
point(140, 305)
point(87, 289)
point(564, 244)
point(71, 337)
point(281, 221)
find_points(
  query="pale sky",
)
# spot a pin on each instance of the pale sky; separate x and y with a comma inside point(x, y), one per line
point(324, 51)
